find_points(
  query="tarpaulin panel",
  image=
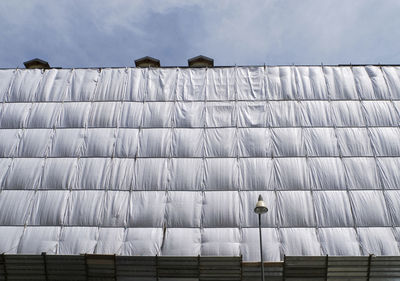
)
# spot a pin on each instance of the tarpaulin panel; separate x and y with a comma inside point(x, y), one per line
point(339, 241)
point(122, 174)
point(126, 144)
point(220, 83)
point(253, 114)
point(99, 142)
point(190, 114)
point(49, 208)
point(388, 170)
point(220, 142)
point(161, 83)
point(155, 142)
point(78, 240)
point(93, 173)
point(10, 238)
point(74, 115)
point(115, 209)
point(256, 174)
point(247, 202)
point(392, 77)
point(361, 173)
point(354, 142)
point(365, 215)
point(15, 206)
point(110, 240)
point(151, 174)
point(295, 209)
point(111, 84)
point(68, 143)
point(221, 174)
point(222, 114)
point(250, 246)
point(333, 209)
point(298, 178)
point(85, 208)
point(142, 242)
point(320, 142)
point(157, 114)
point(221, 209)
point(288, 142)
point(43, 115)
point(300, 242)
point(220, 242)
point(83, 85)
point(24, 173)
point(385, 141)
point(380, 113)
point(9, 141)
point(141, 209)
point(191, 84)
point(347, 113)
point(280, 83)
point(25, 85)
point(378, 241)
point(254, 142)
point(310, 82)
point(285, 113)
point(131, 115)
point(37, 240)
point(250, 83)
point(104, 114)
point(183, 209)
point(35, 143)
point(340, 83)
point(54, 84)
point(327, 173)
point(6, 78)
point(186, 174)
point(14, 115)
point(316, 113)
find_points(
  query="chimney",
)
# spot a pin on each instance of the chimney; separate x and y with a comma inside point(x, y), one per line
point(147, 62)
point(201, 61)
point(36, 64)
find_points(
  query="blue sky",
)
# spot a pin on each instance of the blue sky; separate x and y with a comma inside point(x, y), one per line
point(79, 33)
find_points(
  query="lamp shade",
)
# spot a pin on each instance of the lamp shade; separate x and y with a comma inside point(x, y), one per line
point(260, 206)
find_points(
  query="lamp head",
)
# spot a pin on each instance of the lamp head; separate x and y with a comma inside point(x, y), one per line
point(260, 208)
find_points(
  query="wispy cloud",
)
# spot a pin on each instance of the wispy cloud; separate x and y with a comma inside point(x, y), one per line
point(72, 33)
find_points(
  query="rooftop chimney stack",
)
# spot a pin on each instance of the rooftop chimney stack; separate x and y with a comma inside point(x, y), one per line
point(201, 61)
point(36, 64)
point(147, 62)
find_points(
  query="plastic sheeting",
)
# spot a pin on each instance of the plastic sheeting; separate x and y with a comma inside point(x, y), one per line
point(170, 161)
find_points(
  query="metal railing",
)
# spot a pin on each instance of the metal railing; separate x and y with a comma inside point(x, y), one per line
point(112, 267)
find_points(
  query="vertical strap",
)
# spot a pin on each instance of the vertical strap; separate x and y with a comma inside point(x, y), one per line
point(198, 267)
point(45, 266)
point(369, 266)
point(241, 267)
point(86, 268)
point(115, 267)
point(157, 277)
point(284, 268)
point(326, 267)
point(3, 259)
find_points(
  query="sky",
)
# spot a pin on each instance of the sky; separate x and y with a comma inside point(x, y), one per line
point(101, 33)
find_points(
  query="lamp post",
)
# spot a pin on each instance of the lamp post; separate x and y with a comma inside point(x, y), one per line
point(260, 209)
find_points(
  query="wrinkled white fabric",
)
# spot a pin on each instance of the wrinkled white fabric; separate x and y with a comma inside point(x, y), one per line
point(170, 161)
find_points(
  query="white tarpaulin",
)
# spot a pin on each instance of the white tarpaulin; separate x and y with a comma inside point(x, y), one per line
point(170, 161)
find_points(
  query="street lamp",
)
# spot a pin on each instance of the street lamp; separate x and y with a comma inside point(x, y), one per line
point(260, 209)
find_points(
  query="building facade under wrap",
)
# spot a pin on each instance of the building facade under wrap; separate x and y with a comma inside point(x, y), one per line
point(170, 161)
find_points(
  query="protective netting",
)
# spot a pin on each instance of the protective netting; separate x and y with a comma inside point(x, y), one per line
point(170, 161)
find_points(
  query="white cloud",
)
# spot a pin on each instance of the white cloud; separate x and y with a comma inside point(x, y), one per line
point(101, 32)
